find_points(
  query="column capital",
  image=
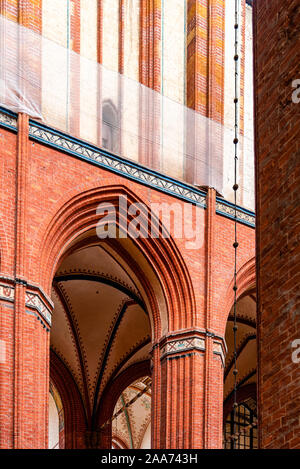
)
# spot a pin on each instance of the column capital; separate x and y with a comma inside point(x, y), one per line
point(188, 341)
point(35, 298)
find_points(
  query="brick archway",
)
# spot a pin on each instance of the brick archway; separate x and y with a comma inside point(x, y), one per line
point(168, 294)
point(79, 215)
point(246, 343)
point(246, 283)
point(74, 414)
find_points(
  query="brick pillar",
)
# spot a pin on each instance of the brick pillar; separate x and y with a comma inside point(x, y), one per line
point(214, 364)
point(25, 327)
point(149, 76)
point(74, 46)
point(99, 78)
point(24, 58)
point(180, 399)
point(205, 87)
point(277, 220)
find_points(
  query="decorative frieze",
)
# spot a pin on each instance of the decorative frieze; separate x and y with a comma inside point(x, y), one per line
point(7, 292)
point(186, 341)
point(183, 345)
point(8, 120)
point(125, 168)
point(243, 216)
point(218, 350)
point(32, 300)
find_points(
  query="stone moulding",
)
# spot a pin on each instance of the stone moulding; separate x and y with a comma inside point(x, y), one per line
point(180, 346)
point(33, 300)
point(226, 209)
point(184, 342)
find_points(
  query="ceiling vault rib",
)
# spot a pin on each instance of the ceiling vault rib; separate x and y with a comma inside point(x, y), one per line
point(246, 321)
point(128, 356)
point(136, 388)
point(105, 249)
point(106, 354)
point(78, 348)
point(127, 421)
point(240, 349)
point(241, 383)
point(103, 280)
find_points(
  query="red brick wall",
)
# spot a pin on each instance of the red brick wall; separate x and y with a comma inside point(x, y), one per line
point(204, 77)
point(197, 282)
point(277, 58)
point(54, 179)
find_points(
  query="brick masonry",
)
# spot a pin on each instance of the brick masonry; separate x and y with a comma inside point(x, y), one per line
point(45, 193)
point(277, 57)
point(54, 180)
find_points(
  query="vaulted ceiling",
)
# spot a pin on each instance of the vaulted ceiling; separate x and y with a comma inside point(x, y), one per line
point(100, 323)
point(129, 429)
point(246, 345)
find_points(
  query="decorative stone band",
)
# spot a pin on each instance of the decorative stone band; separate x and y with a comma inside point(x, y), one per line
point(33, 300)
point(8, 119)
point(182, 346)
point(124, 167)
point(185, 342)
point(218, 350)
point(7, 292)
point(243, 216)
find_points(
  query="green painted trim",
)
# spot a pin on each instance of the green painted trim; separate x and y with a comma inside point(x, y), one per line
point(127, 421)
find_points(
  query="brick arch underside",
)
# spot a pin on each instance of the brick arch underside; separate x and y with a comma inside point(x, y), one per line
point(78, 215)
point(246, 284)
point(74, 414)
point(76, 428)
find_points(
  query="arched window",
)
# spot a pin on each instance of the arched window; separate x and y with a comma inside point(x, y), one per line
point(241, 432)
point(110, 128)
point(245, 428)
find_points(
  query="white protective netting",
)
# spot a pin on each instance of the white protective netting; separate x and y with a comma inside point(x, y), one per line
point(73, 94)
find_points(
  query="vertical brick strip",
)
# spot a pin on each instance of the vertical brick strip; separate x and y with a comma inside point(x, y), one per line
point(99, 81)
point(21, 182)
point(156, 399)
point(277, 133)
point(204, 82)
point(121, 69)
point(149, 75)
point(213, 405)
point(242, 95)
point(74, 46)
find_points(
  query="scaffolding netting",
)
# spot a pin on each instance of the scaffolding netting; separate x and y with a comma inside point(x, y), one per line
point(68, 92)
